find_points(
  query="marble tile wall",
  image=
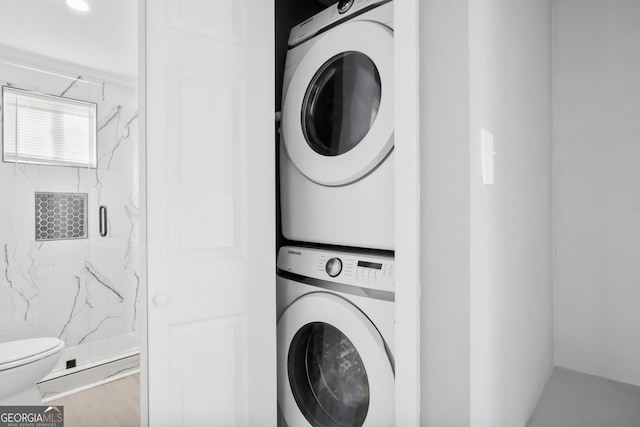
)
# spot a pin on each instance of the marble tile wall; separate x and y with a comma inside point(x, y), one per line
point(82, 291)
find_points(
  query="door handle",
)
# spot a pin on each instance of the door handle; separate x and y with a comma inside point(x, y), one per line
point(160, 300)
point(103, 221)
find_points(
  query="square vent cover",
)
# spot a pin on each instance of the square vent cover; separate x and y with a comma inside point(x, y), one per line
point(61, 216)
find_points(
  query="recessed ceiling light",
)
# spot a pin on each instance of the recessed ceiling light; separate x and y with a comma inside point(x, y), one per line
point(79, 5)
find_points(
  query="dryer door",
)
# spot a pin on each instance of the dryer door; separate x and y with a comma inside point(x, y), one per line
point(333, 368)
point(337, 117)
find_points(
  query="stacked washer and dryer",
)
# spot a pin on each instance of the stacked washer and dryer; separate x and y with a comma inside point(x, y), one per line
point(335, 285)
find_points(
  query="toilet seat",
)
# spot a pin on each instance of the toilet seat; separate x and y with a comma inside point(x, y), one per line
point(22, 352)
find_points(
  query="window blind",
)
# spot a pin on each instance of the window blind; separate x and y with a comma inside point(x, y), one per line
point(47, 129)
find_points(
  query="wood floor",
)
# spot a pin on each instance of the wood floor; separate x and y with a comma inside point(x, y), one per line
point(115, 404)
point(570, 399)
point(574, 399)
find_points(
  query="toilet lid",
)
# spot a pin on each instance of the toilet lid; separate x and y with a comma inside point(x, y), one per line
point(16, 353)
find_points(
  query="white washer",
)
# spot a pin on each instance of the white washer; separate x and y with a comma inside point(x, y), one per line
point(336, 149)
point(335, 338)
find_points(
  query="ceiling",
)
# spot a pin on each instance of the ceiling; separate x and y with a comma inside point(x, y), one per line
point(104, 38)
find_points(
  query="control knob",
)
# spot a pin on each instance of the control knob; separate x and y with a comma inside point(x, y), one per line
point(333, 267)
point(344, 5)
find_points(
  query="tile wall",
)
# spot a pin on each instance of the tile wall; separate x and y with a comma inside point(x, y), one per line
point(83, 291)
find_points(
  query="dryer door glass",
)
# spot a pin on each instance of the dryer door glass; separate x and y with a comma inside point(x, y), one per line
point(327, 377)
point(341, 103)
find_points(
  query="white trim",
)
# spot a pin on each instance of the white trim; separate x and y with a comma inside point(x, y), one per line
point(142, 176)
point(407, 208)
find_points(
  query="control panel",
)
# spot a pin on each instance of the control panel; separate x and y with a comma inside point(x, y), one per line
point(348, 268)
point(328, 17)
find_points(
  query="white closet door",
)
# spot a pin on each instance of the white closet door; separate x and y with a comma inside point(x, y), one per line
point(210, 212)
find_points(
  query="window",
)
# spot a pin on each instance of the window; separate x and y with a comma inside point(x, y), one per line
point(49, 130)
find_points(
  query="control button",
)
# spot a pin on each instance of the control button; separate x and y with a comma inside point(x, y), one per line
point(333, 267)
point(344, 5)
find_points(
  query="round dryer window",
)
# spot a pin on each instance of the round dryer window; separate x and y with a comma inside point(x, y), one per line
point(341, 103)
point(333, 368)
point(337, 117)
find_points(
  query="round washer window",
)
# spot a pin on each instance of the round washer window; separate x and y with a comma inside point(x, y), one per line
point(327, 377)
point(341, 103)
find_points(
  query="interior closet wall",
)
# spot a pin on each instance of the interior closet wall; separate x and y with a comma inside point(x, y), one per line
point(486, 309)
point(597, 187)
point(444, 224)
point(288, 14)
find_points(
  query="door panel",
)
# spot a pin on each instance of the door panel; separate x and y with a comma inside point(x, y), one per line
point(223, 20)
point(210, 212)
point(224, 402)
point(211, 157)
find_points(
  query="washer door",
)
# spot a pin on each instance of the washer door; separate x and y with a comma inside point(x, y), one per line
point(337, 119)
point(333, 368)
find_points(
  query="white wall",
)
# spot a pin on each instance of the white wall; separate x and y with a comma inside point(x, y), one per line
point(511, 242)
point(487, 304)
point(444, 117)
point(597, 187)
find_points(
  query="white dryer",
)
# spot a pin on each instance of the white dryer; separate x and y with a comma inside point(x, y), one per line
point(335, 338)
point(336, 149)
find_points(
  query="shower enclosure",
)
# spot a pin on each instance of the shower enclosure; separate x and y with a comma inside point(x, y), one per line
point(69, 225)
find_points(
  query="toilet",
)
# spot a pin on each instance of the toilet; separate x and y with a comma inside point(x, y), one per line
point(22, 364)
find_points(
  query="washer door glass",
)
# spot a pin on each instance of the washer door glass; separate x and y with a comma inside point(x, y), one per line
point(341, 103)
point(327, 377)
